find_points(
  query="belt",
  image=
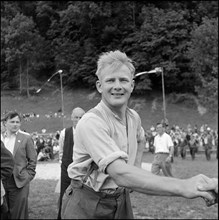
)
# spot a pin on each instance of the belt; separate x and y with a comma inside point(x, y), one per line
point(112, 191)
point(117, 192)
point(162, 153)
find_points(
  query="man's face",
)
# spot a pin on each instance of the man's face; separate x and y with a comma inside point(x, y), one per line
point(13, 124)
point(160, 129)
point(76, 116)
point(115, 87)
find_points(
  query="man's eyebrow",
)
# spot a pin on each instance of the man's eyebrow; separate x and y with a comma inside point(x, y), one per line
point(110, 77)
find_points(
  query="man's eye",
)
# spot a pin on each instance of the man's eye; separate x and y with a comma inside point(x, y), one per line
point(124, 80)
point(110, 80)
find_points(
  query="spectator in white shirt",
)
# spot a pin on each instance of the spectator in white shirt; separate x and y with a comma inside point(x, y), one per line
point(164, 149)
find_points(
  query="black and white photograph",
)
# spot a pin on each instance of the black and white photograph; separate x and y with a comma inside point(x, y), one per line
point(109, 109)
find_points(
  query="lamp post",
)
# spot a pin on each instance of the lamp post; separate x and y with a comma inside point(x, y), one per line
point(62, 100)
point(157, 70)
point(163, 91)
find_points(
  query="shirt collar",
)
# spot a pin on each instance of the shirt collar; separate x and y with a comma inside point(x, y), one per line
point(5, 134)
point(109, 111)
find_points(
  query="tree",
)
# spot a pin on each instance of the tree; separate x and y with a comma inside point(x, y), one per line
point(162, 41)
point(70, 35)
point(23, 46)
point(203, 53)
point(8, 10)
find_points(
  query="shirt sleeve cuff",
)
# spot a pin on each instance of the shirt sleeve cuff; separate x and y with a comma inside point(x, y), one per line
point(109, 159)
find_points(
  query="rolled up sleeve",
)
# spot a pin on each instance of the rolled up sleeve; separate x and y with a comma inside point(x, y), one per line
point(110, 158)
point(98, 143)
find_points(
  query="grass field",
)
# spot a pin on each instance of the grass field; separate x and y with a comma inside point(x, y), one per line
point(43, 200)
point(148, 107)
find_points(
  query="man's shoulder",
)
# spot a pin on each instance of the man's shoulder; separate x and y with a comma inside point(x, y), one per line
point(24, 133)
point(166, 135)
point(62, 131)
point(156, 136)
point(92, 114)
point(133, 113)
point(92, 119)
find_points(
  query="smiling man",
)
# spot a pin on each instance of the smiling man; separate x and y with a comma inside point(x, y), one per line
point(21, 145)
point(107, 142)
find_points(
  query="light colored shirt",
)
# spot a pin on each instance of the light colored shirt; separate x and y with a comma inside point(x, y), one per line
point(9, 141)
point(163, 143)
point(103, 141)
point(61, 142)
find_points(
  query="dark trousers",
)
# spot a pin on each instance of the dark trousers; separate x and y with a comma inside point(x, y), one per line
point(82, 202)
point(65, 182)
point(17, 200)
point(193, 150)
point(183, 152)
point(208, 153)
point(176, 150)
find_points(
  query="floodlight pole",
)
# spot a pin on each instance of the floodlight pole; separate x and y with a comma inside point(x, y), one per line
point(156, 70)
point(62, 99)
point(163, 91)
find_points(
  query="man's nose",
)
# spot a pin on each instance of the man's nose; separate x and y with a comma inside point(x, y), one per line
point(117, 84)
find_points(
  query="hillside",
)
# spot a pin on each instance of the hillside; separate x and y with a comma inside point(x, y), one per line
point(47, 104)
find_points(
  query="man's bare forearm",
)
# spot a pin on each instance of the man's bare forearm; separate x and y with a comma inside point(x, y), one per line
point(145, 182)
point(141, 180)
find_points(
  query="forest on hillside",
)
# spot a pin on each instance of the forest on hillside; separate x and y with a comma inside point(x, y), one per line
point(40, 37)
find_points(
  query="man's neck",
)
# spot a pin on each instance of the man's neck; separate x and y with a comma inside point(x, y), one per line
point(9, 133)
point(119, 111)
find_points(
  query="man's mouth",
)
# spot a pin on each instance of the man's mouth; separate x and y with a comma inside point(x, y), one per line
point(117, 94)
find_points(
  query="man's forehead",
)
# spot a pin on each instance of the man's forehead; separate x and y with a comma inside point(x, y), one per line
point(13, 119)
point(77, 112)
point(108, 71)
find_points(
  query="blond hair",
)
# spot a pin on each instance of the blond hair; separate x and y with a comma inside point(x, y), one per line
point(114, 59)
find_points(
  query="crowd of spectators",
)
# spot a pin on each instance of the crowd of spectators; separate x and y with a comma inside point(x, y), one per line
point(32, 115)
point(192, 139)
point(46, 145)
point(189, 139)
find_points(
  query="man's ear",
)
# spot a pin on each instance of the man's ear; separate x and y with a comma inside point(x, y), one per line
point(133, 85)
point(98, 86)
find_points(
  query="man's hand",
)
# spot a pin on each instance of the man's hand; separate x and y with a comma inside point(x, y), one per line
point(212, 188)
point(169, 159)
point(192, 187)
